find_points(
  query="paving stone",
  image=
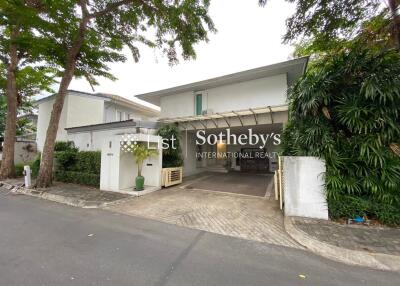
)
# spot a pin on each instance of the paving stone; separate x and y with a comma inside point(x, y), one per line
point(247, 217)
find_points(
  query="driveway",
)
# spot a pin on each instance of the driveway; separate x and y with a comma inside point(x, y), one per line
point(249, 217)
point(260, 185)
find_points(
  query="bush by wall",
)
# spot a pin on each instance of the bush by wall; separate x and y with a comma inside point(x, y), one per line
point(65, 146)
point(172, 157)
point(19, 170)
point(80, 167)
point(35, 166)
point(81, 178)
point(346, 111)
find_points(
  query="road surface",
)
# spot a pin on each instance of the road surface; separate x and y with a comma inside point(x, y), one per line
point(45, 243)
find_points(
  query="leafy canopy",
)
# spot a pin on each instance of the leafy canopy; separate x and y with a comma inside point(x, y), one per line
point(323, 25)
point(174, 27)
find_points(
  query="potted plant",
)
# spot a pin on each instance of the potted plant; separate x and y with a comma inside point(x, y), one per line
point(141, 153)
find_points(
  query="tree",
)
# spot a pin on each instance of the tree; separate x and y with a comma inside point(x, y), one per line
point(322, 24)
point(18, 79)
point(94, 33)
point(346, 110)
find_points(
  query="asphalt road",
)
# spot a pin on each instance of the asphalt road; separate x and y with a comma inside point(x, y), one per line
point(45, 243)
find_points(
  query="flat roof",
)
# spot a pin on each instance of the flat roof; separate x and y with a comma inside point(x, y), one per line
point(293, 68)
point(113, 125)
point(108, 97)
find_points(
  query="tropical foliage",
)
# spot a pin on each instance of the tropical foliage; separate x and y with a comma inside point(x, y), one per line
point(346, 110)
point(172, 156)
point(141, 153)
point(323, 25)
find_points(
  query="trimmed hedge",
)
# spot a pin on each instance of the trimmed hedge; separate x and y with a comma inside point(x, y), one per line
point(79, 167)
point(65, 146)
point(78, 178)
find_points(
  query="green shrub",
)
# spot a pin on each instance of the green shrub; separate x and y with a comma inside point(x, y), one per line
point(348, 206)
point(65, 160)
point(88, 161)
point(61, 146)
point(19, 170)
point(172, 157)
point(345, 109)
point(81, 167)
point(35, 166)
point(81, 178)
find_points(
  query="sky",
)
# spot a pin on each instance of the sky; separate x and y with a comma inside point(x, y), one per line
point(248, 36)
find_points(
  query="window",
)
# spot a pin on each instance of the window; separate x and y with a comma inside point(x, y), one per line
point(199, 103)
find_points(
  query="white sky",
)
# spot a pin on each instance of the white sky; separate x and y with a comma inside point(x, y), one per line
point(248, 36)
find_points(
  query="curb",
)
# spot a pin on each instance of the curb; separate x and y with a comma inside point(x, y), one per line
point(55, 198)
point(378, 261)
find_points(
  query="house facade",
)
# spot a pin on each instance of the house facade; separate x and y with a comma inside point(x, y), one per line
point(228, 123)
point(87, 118)
point(233, 122)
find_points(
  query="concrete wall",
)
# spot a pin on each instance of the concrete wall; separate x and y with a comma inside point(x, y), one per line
point(303, 185)
point(83, 110)
point(119, 170)
point(249, 94)
point(93, 140)
point(25, 152)
point(44, 112)
point(111, 109)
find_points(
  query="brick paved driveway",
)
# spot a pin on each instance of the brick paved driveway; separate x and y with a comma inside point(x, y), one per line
point(248, 217)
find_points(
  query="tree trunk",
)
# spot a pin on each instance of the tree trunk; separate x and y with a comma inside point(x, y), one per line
point(394, 9)
point(7, 169)
point(45, 176)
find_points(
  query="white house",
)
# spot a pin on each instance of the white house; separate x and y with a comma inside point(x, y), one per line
point(87, 118)
point(239, 116)
point(252, 102)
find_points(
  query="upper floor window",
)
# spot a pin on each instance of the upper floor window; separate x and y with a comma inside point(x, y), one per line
point(198, 103)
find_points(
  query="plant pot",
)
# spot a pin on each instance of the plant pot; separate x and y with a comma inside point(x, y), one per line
point(139, 183)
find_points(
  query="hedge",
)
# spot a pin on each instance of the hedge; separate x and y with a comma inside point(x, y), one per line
point(79, 167)
point(81, 178)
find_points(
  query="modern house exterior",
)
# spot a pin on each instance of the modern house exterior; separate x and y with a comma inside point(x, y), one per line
point(248, 108)
point(87, 118)
point(252, 102)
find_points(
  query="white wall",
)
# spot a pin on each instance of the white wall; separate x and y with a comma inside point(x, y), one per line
point(303, 185)
point(81, 110)
point(111, 109)
point(93, 140)
point(119, 170)
point(44, 112)
point(84, 110)
point(249, 94)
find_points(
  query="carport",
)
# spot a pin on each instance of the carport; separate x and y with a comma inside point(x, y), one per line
point(251, 184)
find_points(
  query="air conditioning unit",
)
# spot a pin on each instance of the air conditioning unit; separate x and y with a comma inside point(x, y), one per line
point(171, 176)
point(207, 112)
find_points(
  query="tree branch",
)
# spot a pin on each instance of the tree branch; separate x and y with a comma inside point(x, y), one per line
point(110, 7)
